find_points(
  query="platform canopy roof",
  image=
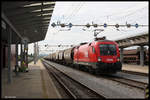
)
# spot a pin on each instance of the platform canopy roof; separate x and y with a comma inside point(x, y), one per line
point(137, 40)
point(28, 19)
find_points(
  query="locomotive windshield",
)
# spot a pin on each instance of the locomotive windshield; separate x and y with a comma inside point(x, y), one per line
point(107, 49)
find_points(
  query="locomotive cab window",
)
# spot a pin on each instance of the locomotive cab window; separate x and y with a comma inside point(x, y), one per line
point(107, 49)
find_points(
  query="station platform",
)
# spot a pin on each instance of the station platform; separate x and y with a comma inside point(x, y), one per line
point(33, 84)
point(136, 68)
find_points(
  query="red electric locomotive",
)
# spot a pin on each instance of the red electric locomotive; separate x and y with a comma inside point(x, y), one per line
point(100, 56)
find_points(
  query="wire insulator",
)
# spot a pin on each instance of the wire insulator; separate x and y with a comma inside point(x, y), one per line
point(95, 25)
point(117, 25)
point(128, 25)
point(88, 25)
point(62, 25)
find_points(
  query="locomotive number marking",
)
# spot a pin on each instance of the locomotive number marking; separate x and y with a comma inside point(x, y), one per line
point(109, 59)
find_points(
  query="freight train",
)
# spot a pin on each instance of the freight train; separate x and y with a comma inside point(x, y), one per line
point(100, 57)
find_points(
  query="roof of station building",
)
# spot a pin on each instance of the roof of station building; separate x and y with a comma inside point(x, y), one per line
point(28, 19)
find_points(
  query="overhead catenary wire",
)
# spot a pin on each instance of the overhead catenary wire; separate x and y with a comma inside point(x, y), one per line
point(129, 14)
point(69, 10)
point(128, 11)
point(73, 10)
point(68, 18)
point(76, 11)
point(63, 18)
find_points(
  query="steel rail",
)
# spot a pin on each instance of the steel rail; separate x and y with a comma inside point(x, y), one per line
point(135, 73)
point(61, 83)
point(129, 82)
point(99, 95)
point(125, 81)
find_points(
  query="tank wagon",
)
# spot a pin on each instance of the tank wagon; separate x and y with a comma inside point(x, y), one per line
point(101, 56)
point(61, 56)
point(69, 56)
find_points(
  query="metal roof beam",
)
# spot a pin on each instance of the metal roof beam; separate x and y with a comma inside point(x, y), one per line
point(10, 24)
point(32, 27)
point(34, 19)
point(44, 26)
point(36, 15)
point(39, 29)
point(29, 13)
point(13, 4)
point(31, 17)
point(36, 27)
point(28, 9)
point(31, 21)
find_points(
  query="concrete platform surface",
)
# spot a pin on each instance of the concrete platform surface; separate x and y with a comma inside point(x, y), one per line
point(136, 68)
point(33, 84)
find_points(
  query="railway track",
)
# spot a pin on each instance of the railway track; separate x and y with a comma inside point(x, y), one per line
point(73, 88)
point(135, 73)
point(125, 81)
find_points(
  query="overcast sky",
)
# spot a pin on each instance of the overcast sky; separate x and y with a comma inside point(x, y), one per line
point(99, 13)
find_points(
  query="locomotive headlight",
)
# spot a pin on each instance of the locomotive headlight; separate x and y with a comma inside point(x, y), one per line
point(99, 59)
point(118, 59)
